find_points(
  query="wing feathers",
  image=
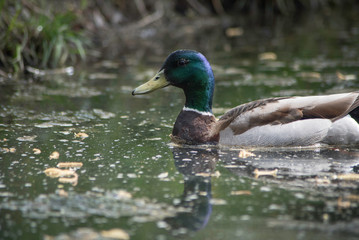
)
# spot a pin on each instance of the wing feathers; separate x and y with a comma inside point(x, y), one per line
point(276, 111)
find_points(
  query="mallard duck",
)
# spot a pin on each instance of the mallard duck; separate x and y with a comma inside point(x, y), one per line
point(279, 121)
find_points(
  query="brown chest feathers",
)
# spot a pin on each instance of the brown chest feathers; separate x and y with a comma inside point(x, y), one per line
point(194, 128)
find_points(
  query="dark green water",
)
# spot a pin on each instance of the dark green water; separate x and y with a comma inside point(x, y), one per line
point(132, 178)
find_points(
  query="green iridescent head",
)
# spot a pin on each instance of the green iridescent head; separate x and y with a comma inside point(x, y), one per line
point(190, 71)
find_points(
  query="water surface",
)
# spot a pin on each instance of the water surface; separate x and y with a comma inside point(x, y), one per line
point(134, 179)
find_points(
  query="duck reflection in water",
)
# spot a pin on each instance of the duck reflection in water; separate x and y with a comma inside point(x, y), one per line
point(196, 165)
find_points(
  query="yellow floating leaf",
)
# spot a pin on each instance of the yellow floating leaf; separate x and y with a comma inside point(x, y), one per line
point(267, 56)
point(259, 173)
point(69, 164)
point(72, 180)
point(115, 233)
point(245, 154)
point(12, 150)
point(347, 177)
point(54, 155)
point(81, 135)
point(348, 77)
point(121, 194)
point(163, 175)
point(234, 32)
point(36, 151)
point(56, 172)
point(6, 150)
point(208, 174)
point(241, 192)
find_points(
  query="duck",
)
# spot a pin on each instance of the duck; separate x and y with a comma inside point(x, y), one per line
point(272, 122)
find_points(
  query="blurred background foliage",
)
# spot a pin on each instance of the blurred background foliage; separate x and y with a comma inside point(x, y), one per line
point(51, 34)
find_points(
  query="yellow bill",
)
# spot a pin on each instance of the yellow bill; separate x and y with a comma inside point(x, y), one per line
point(157, 82)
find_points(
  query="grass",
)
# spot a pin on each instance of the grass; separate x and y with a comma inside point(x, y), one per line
point(38, 38)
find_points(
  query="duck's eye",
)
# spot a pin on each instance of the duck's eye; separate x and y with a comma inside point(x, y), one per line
point(182, 62)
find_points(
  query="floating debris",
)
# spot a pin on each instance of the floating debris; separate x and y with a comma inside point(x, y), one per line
point(208, 174)
point(234, 32)
point(121, 194)
point(4, 140)
point(154, 139)
point(347, 177)
point(115, 233)
point(245, 154)
point(163, 175)
point(69, 164)
point(27, 138)
point(267, 56)
point(65, 176)
point(259, 173)
point(343, 204)
point(81, 135)
point(62, 193)
point(36, 151)
point(44, 125)
point(6, 150)
point(241, 192)
point(104, 115)
point(66, 70)
point(72, 180)
point(54, 155)
point(217, 201)
point(319, 181)
point(349, 77)
point(232, 166)
point(56, 172)
point(311, 75)
point(103, 76)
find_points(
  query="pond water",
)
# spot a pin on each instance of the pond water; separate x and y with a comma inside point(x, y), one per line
point(129, 182)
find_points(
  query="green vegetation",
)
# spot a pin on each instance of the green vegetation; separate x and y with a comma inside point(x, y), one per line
point(48, 34)
point(40, 38)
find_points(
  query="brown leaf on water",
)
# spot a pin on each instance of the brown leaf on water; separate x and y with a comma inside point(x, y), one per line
point(241, 192)
point(258, 173)
point(347, 77)
point(64, 175)
point(7, 150)
point(56, 172)
point(121, 194)
point(62, 193)
point(27, 138)
point(54, 155)
point(234, 32)
point(69, 164)
point(163, 175)
point(81, 135)
point(245, 154)
point(267, 56)
point(36, 151)
point(72, 180)
point(115, 233)
point(347, 177)
point(209, 174)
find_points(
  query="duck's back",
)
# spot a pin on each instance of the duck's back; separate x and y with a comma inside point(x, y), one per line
point(295, 121)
